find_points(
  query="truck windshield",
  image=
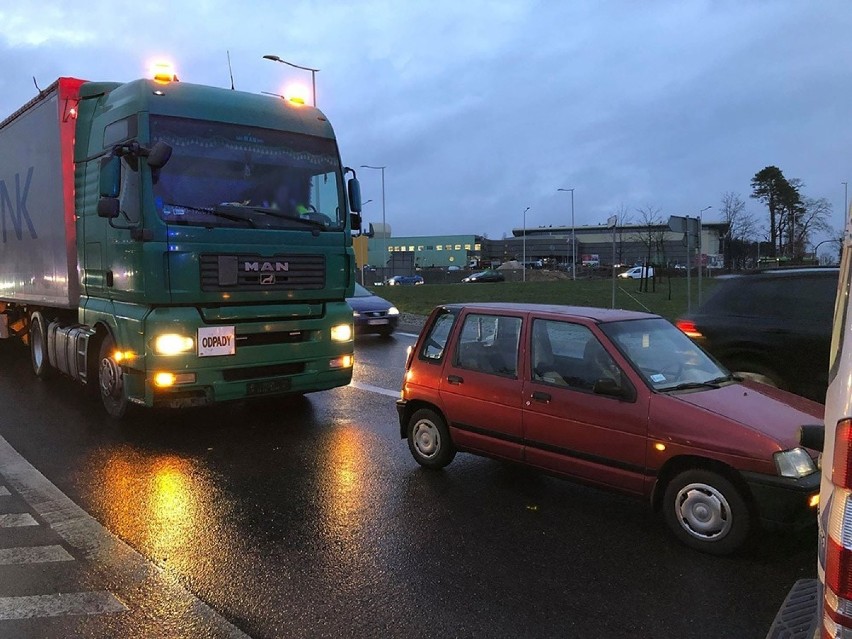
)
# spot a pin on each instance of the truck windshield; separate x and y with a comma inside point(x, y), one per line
point(230, 175)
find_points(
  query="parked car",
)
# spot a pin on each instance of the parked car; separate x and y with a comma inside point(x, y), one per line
point(618, 399)
point(773, 327)
point(402, 280)
point(371, 313)
point(637, 273)
point(826, 602)
point(490, 275)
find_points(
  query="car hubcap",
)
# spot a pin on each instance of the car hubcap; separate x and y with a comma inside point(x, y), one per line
point(703, 512)
point(427, 440)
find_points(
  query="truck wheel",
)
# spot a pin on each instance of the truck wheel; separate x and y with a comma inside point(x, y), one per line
point(429, 439)
point(38, 346)
point(707, 512)
point(111, 380)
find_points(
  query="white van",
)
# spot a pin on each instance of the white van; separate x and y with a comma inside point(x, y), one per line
point(822, 608)
point(637, 273)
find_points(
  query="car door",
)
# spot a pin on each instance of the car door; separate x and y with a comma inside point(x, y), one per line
point(481, 387)
point(568, 426)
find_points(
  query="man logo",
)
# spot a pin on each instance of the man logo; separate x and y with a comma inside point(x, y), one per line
point(266, 267)
point(267, 279)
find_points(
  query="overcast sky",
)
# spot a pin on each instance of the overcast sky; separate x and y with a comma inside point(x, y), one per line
point(482, 108)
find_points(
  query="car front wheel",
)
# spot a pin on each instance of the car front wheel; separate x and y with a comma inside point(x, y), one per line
point(429, 439)
point(707, 512)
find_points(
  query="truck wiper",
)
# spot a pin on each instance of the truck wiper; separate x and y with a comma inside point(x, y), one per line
point(215, 211)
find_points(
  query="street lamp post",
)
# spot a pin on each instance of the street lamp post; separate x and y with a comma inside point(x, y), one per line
point(706, 208)
point(524, 265)
point(384, 228)
point(313, 71)
point(845, 206)
point(573, 237)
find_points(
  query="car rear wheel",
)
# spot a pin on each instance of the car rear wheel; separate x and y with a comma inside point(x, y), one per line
point(429, 439)
point(707, 512)
point(757, 372)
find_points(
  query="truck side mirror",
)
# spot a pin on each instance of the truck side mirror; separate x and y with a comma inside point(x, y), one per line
point(355, 196)
point(110, 176)
point(159, 155)
point(108, 207)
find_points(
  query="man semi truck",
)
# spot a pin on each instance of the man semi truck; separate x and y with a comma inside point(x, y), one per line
point(143, 252)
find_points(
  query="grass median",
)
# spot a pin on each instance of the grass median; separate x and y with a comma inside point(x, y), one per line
point(666, 297)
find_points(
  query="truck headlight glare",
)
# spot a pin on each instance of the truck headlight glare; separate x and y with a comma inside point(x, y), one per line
point(794, 463)
point(341, 333)
point(173, 344)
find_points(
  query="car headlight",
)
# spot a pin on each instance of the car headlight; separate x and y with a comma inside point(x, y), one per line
point(356, 314)
point(173, 344)
point(393, 310)
point(794, 463)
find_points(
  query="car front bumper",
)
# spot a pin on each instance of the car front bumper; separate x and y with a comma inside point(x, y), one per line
point(784, 502)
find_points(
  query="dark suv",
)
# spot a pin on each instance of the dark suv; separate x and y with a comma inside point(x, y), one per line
point(772, 326)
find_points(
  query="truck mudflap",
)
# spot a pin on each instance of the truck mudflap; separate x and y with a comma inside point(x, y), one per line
point(800, 615)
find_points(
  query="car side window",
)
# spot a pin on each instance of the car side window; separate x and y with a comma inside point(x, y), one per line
point(568, 354)
point(436, 341)
point(489, 344)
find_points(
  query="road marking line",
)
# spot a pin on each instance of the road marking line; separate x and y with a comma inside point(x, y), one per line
point(375, 389)
point(4, 492)
point(415, 335)
point(96, 544)
point(14, 520)
point(33, 555)
point(73, 603)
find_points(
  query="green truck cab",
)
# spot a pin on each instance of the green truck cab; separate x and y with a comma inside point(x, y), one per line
point(177, 245)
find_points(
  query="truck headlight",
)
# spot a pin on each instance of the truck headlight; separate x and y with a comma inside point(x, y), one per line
point(794, 463)
point(172, 344)
point(341, 333)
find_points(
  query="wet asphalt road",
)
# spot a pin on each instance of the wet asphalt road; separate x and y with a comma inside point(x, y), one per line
point(308, 518)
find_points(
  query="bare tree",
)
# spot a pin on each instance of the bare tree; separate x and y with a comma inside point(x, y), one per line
point(741, 228)
point(623, 219)
point(814, 217)
point(650, 235)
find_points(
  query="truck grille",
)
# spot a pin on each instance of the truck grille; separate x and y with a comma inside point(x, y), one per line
point(256, 273)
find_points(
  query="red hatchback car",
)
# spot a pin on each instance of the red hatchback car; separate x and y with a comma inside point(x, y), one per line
point(617, 399)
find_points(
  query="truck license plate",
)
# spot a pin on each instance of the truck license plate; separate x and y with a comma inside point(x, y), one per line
point(267, 386)
point(216, 340)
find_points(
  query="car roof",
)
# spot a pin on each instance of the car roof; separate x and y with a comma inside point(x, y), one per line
point(599, 315)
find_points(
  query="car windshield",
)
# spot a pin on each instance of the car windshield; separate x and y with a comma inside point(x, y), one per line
point(236, 176)
point(360, 291)
point(665, 357)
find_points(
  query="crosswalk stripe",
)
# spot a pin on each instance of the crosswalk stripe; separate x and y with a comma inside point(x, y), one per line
point(74, 603)
point(14, 520)
point(33, 555)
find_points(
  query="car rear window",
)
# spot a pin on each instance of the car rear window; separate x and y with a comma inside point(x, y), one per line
point(807, 297)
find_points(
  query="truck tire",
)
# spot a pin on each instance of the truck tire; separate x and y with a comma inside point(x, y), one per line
point(38, 347)
point(111, 380)
point(707, 512)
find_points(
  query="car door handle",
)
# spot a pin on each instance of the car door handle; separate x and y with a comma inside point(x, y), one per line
point(455, 379)
point(541, 397)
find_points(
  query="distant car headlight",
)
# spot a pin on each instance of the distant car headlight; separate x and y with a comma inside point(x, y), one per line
point(173, 344)
point(356, 314)
point(794, 463)
point(393, 310)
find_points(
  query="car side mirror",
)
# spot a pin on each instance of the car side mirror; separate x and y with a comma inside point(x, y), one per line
point(812, 436)
point(609, 387)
